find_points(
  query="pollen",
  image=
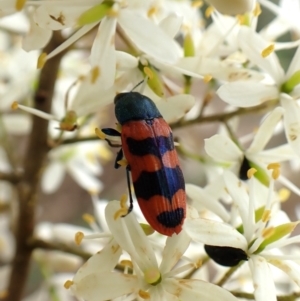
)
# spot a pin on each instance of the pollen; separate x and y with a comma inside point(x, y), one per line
point(268, 50)
point(100, 134)
point(209, 11)
point(42, 60)
point(78, 238)
point(95, 73)
point(88, 218)
point(257, 10)
point(14, 105)
point(148, 72)
point(112, 13)
point(144, 295)
point(152, 276)
point(268, 232)
point(20, 4)
point(276, 170)
point(284, 194)
point(207, 78)
point(251, 172)
point(68, 284)
point(197, 3)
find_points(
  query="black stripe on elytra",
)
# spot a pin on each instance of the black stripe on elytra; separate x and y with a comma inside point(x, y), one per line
point(165, 182)
point(171, 219)
point(156, 146)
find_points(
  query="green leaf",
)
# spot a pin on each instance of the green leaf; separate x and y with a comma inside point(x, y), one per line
point(95, 14)
point(278, 233)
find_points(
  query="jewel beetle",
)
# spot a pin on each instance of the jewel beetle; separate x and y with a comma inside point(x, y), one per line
point(148, 147)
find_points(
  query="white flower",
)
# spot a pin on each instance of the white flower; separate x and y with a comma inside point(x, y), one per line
point(265, 229)
point(80, 161)
point(96, 280)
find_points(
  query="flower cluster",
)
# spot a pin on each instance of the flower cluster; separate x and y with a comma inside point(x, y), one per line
point(65, 63)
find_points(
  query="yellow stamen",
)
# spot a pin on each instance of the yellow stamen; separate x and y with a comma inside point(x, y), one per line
point(20, 4)
point(42, 60)
point(266, 233)
point(78, 238)
point(276, 170)
point(209, 11)
point(268, 50)
point(257, 10)
point(148, 72)
point(121, 212)
point(118, 127)
point(68, 284)
point(284, 194)
point(14, 105)
point(207, 78)
point(144, 295)
point(266, 216)
point(241, 19)
point(197, 3)
point(251, 172)
point(100, 134)
point(95, 73)
point(124, 209)
point(127, 263)
point(88, 218)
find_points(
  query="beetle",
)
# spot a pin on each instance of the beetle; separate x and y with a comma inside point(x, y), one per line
point(148, 147)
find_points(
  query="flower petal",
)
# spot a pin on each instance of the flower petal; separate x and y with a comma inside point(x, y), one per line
point(246, 94)
point(53, 177)
point(103, 53)
point(105, 286)
point(265, 131)
point(214, 233)
point(252, 44)
point(222, 149)
point(200, 198)
point(173, 251)
point(174, 107)
point(291, 268)
point(130, 236)
point(291, 122)
point(103, 261)
point(191, 289)
point(135, 27)
point(262, 279)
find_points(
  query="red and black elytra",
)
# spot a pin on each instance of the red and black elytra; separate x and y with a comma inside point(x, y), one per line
point(148, 146)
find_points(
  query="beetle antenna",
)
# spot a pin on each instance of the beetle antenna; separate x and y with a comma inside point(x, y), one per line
point(129, 190)
point(142, 83)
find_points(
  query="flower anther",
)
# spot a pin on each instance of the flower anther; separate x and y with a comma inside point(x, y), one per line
point(268, 50)
point(78, 238)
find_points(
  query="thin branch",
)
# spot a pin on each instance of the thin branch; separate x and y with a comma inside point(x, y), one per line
point(10, 177)
point(223, 116)
point(229, 273)
point(33, 161)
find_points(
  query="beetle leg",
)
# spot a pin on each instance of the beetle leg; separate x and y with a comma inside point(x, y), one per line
point(103, 133)
point(129, 190)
